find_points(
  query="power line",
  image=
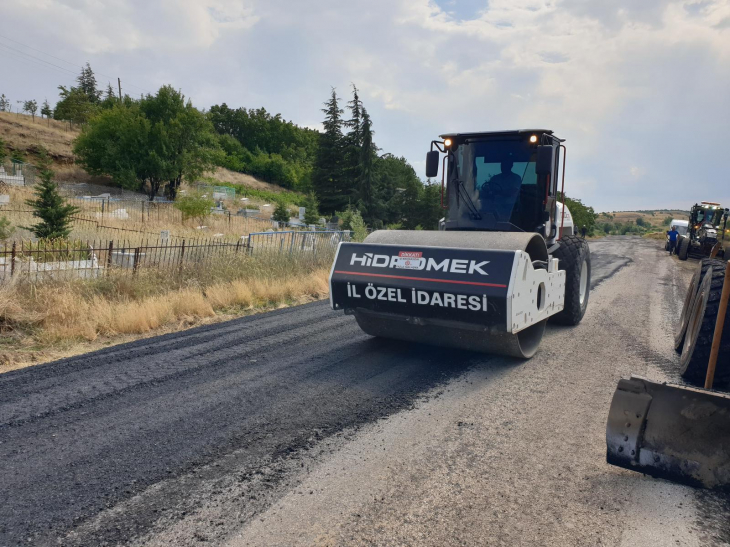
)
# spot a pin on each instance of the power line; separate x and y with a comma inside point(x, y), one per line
point(58, 59)
point(26, 60)
point(29, 56)
point(39, 51)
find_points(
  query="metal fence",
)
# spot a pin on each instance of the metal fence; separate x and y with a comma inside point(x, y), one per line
point(131, 210)
point(43, 260)
point(292, 242)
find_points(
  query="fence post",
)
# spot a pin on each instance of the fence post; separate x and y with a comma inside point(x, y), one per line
point(12, 260)
point(136, 261)
point(109, 255)
point(182, 254)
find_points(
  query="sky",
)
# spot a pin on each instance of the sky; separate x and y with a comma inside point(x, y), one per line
point(640, 89)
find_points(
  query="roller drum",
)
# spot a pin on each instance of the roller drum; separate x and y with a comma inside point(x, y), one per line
point(479, 334)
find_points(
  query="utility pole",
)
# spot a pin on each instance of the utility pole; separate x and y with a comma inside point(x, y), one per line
point(119, 83)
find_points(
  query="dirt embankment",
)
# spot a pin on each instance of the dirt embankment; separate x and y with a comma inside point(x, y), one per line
point(26, 135)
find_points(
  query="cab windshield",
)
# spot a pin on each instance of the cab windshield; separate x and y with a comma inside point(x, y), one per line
point(710, 216)
point(496, 180)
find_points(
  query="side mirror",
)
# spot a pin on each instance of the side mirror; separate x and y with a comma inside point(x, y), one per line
point(545, 159)
point(432, 164)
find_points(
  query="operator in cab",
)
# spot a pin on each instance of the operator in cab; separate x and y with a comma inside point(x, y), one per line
point(506, 185)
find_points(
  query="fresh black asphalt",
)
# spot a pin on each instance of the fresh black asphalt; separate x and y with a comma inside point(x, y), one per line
point(84, 435)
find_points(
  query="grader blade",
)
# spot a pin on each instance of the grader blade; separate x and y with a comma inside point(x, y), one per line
point(670, 431)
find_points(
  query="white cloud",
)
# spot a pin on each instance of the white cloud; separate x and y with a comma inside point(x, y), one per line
point(629, 84)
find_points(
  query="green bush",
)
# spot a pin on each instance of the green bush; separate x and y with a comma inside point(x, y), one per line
point(194, 206)
point(6, 230)
point(281, 213)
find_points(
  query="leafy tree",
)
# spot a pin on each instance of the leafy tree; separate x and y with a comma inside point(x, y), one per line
point(583, 215)
point(181, 144)
point(194, 206)
point(281, 213)
point(328, 176)
point(607, 227)
point(154, 143)
point(115, 144)
point(641, 222)
point(269, 146)
point(346, 217)
point(31, 107)
point(359, 229)
point(49, 206)
point(666, 221)
point(74, 106)
point(46, 109)
point(4, 103)
point(6, 230)
point(311, 212)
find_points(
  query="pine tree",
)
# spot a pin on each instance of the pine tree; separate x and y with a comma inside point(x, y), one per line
point(110, 95)
point(281, 213)
point(366, 173)
point(328, 176)
point(4, 103)
point(46, 109)
point(87, 84)
point(52, 210)
point(353, 142)
point(311, 211)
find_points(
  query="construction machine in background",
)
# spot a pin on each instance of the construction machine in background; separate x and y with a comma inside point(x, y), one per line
point(501, 264)
point(705, 220)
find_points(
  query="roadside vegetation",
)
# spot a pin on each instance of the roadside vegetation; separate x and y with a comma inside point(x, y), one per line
point(43, 321)
point(642, 223)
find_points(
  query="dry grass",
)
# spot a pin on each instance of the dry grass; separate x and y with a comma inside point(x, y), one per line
point(40, 322)
point(226, 175)
point(21, 133)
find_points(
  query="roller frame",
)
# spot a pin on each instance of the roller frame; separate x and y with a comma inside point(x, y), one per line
point(521, 299)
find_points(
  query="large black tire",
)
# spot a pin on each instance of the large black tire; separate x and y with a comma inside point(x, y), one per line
point(689, 299)
point(573, 256)
point(700, 331)
point(683, 248)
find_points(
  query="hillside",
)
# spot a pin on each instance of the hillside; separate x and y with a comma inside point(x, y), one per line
point(22, 134)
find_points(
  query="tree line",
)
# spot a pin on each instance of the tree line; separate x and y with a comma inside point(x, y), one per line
point(157, 141)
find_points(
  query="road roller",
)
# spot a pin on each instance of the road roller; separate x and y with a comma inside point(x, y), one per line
point(501, 264)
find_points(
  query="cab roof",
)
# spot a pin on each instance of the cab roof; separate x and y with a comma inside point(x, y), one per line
point(505, 133)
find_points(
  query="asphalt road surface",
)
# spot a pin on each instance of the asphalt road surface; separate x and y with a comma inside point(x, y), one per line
point(294, 428)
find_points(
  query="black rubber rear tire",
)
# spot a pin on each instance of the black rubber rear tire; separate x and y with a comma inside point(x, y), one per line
point(571, 254)
point(683, 248)
point(698, 342)
point(690, 296)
